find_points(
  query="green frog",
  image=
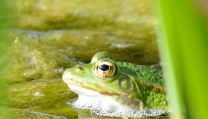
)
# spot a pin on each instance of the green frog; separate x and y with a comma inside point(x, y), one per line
point(108, 87)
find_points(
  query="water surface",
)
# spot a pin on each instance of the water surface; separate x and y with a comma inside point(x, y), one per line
point(48, 37)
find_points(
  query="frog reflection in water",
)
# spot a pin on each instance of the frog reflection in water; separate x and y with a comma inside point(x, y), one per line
point(110, 88)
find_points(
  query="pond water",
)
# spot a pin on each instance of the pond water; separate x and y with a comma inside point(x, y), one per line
point(50, 36)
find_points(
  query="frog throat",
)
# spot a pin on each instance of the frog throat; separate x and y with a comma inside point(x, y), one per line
point(120, 99)
point(103, 105)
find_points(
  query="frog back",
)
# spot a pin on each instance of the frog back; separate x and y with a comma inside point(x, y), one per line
point(148, 84)
point(142, 74)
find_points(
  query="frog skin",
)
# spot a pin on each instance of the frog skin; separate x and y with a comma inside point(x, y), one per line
point(110, 88)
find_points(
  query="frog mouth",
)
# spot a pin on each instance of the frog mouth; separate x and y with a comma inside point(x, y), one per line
point(81, 90)
point(93, 100)
point(119, 99)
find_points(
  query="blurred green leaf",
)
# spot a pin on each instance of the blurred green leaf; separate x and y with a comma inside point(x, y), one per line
point(183, 33)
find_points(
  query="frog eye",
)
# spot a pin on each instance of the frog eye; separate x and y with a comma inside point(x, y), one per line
point(104, 69)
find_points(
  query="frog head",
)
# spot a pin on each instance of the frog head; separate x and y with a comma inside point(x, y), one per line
point(104, 87)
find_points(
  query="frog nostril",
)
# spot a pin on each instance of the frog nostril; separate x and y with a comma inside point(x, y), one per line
point(81, 68)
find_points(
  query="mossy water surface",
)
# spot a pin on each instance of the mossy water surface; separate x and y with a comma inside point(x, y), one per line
point(47, 37)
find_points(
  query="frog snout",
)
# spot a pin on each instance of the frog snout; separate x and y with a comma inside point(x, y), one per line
point(67, 76)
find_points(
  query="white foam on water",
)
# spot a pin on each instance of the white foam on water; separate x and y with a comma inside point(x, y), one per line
point(103, 105)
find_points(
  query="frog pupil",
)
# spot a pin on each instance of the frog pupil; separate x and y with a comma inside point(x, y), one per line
point(104, 67)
